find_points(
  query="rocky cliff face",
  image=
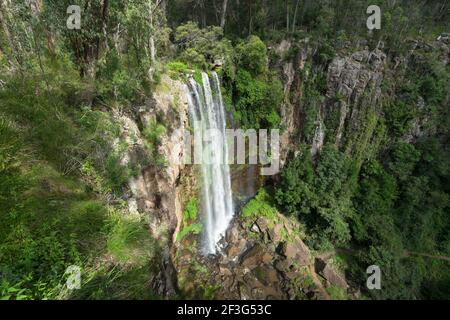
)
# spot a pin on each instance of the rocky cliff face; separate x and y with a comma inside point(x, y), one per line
point(355, 82)
point(160, 189)
point(265, 258)
point(153, 191)
point(291, 67)
point(353, 91)
point(262, 258)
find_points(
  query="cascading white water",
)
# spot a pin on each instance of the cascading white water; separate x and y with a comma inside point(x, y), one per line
point(207, 112)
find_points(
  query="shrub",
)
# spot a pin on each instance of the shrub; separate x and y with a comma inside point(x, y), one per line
point(129, 241)
point(153, 133)
point(257, 101)
point(190, 215)
point(261, 205)
point(252, 55)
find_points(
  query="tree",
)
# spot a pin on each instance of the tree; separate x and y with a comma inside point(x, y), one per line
point(319, 197)
point(223, 13)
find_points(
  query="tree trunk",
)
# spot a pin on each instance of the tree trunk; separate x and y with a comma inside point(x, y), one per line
point(294, 22)
point(287, 16)
point(151, 40)
point(224, 14)
point(105, 14)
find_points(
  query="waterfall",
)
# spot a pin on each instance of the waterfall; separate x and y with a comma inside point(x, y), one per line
point(207, 111)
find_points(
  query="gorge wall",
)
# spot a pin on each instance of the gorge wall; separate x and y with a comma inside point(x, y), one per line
point(263, 258)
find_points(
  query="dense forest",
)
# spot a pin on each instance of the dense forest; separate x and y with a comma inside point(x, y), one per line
point(371, 184)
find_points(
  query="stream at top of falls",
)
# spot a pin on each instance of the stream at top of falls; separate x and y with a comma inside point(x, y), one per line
point(206, 110)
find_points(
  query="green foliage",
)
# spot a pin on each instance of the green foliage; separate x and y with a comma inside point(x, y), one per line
point(57, 169)
point(190, 216)
point(404, 158)
point(257, 101)
point(14, 292)
point(377, 191)
point(153, 133)
point(176, 69)
point(325, 53)
point(51, 224)
point(180, 71)
point(401, 208)
point(252, 55)
point(117, 80)
point(61, 178)
point(191, 211)
point(194, 58)
point(116, 283)
point(195, 228)
point(337, 293)
point(129, 241)
point(318, 196)
point(203, 48)
point(296, 189)
point(261, 205)
point(398, 117)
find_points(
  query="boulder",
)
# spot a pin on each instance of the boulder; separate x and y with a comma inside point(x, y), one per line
point(267, 258)
point(265, 274)
point(330, 274)
point(297, 252)
point(224, 271)
point(252, 257)
point(262, 224)
point(232, 235)
point(244, 291)
point(275, 233)
point(282, 265)
point(255, 228)
point(234, 249)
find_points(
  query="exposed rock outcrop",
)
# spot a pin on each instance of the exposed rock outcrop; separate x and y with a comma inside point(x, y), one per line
point(265, 259)
point(333, 277)
point(353, 87)
point(292, 60)
point(155, 191)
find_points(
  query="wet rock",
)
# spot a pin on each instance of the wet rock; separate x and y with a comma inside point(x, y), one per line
point(232, 235)
point(291, 294)
point(228, 282)
point(258, 294)
point(234, 249)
